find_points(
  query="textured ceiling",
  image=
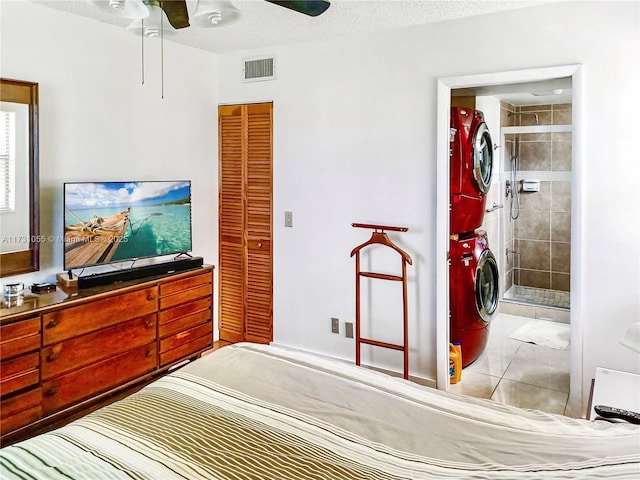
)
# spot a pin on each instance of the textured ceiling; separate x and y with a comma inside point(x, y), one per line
point(263, 24)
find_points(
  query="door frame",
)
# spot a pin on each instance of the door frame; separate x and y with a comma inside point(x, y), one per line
point(248, 243)
point(445, 85)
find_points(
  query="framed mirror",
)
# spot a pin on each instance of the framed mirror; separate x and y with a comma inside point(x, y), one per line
point(19, 209)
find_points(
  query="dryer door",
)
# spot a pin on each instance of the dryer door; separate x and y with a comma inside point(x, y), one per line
point(487, 285)
point(482, 157)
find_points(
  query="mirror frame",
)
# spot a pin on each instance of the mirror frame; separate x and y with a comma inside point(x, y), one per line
point(14, 263)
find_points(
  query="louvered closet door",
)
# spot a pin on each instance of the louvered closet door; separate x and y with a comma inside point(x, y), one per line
point(245, 223)
point(231, 224)
point(259, 266)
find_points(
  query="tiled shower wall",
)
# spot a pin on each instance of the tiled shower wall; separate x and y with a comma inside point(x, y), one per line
point(540, 238)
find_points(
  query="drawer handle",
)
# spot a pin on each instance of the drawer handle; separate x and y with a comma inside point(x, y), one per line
point(149, 324)
point(148, 353)
point(50, 393)
point(52, 324)
point(151, 297)
point(52, 357)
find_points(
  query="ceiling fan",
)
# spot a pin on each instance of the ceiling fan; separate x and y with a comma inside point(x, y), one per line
point(178, 15)
point(203, 13)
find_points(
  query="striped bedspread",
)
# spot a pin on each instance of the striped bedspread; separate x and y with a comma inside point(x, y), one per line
point(257, 412)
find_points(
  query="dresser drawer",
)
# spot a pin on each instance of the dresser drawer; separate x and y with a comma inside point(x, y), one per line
point(71, 322)
point(20, 410)
point(174, 313)
point(93, 347)
point(186, 350)
point(19, 337)
point(184, 323)
point(174, 341)
point(19, 373)
point(97, 378)
point(186, 284)
point(185, 296)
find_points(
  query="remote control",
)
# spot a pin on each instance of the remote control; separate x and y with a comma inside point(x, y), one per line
point(612, 412)
point(43, 287)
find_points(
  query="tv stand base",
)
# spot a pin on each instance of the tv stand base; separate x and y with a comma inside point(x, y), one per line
point(65, 282)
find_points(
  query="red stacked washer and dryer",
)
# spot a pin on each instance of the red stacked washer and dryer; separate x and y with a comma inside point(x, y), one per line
point(473, 271)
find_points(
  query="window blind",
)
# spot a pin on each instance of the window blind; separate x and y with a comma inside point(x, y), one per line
point(7, 161)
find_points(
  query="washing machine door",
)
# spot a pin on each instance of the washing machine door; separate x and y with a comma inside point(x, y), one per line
point(487, 285)
point(482, 157)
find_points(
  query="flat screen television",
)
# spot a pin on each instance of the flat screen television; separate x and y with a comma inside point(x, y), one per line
point(108, 222)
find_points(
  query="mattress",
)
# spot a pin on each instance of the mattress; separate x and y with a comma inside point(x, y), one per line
point(250, 411)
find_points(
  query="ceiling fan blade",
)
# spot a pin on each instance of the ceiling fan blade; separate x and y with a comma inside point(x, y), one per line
point(313, 8)
point(176, 11)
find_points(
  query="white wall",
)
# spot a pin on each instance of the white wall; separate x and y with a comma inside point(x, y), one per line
point(350, 145)
point(99, 123)
point(354, 140)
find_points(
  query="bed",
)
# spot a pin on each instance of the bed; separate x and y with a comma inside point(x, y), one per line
point(250, 411)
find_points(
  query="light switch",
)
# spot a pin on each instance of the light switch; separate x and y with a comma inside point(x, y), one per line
point(288, 219)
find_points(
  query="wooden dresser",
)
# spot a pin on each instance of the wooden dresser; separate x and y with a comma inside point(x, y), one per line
point(62, 351)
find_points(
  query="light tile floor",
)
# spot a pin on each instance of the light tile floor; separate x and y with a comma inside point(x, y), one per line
point(517, 373)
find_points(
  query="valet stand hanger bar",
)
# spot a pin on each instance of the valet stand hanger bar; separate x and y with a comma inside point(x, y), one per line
point(379, 237)
point(379, 227)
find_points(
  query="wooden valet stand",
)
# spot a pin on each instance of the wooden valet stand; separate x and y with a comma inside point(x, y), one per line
point(379, 237)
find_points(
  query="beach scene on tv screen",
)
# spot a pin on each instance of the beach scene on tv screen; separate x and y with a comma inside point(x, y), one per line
point(110, 221)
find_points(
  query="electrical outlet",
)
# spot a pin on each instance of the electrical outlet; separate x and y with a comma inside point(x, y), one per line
point(335, 325)
point(288, 219)
point(348, 329)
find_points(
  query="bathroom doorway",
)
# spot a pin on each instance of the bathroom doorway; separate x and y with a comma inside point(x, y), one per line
point(526, 362)
point(486, 85)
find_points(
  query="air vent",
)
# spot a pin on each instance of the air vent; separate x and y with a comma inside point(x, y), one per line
point(259, 69)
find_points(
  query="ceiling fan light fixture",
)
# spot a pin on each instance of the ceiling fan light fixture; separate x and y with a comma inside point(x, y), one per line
point(124, 8)
point(214, 13)
point(151, 26)
point(215, 17)
point(151, 32)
